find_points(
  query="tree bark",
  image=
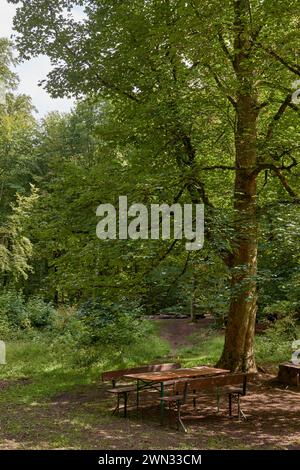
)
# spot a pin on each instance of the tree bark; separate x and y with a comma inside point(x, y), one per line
point(238, 354)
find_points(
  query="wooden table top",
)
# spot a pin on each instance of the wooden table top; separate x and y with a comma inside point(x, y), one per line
point(202, 371)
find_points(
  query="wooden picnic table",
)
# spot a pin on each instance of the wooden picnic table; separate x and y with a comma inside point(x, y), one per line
point(154, 379)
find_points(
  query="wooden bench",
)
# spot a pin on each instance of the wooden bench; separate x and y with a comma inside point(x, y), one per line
point(289, 373)
point(122, 391)
point(177, 400)
point(234, 385)
point(184, 389)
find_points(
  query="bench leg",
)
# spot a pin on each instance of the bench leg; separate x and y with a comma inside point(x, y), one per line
point(237, 396)
point(125, 404)
point(125, 399)
point(179, 420)
point(162, 404)
point(169, 415)
point(137, 398)
point(241, 414)
point(194, 399)
point(218, 400)
point(116, 410)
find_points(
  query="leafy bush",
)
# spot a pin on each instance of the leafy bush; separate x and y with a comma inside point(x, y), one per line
point(95, 316)
point(275, 345)
point(40, 314)
point(284, 329)
point(270, 349)
point(106, 323)
point(280, 309)
point(5, 329)
point(17, 315)
point(124, 343)
point(13, 307)
point(110, 334)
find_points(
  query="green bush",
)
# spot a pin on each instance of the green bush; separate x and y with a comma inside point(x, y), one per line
point(109, 322)
point(109, 334)
point(95, 316)
point(122, 344)
point(280, 309)
point(13, 307)
point(269, 349)
point(18, 315)
point(275, 345)
point(284, 329)
point(5, 329)
point(40, 313)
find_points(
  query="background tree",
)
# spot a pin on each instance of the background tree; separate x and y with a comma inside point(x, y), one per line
point(17, 128)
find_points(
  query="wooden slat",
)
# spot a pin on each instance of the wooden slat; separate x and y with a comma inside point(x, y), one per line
point(117, 374)
point(210, 383)
point(117, 390)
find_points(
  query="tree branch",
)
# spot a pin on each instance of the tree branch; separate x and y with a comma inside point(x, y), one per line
point(221, 86)
point(219, 167)
point(278, 173)
point(294, 107)
point(183, 271)
point(292, 67)
point(224, 47)
point(282, 108)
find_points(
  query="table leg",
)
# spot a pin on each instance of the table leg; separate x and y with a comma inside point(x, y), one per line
point(162, 403)
point(218, 400)
point(137, 397)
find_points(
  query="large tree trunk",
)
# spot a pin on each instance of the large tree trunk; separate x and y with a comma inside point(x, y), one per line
point(239, 337)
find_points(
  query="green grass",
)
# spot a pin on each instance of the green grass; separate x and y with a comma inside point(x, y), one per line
point(206, 347)
point(49, 371)
point(52, 368)
point(272, 350)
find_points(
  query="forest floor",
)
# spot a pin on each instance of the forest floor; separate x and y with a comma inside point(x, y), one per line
point(78, 416)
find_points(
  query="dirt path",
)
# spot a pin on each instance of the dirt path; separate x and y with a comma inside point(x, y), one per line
point(177, 331)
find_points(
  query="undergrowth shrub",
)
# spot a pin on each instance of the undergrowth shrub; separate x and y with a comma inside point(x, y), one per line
point(40, 313)
point(17, 315)
point(13, 310)
point(275, 345)
point(108, 335)
point(281, 309)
